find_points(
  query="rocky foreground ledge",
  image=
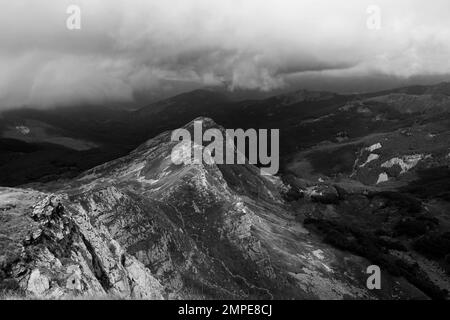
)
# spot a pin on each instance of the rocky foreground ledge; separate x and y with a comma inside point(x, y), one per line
point(48, 253)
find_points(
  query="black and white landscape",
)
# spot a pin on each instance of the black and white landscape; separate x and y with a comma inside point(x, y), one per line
point(92, 205)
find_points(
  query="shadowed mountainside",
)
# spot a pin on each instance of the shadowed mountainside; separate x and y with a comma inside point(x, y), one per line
point(63, 142)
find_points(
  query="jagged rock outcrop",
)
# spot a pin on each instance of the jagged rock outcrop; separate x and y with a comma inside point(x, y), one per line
point(48, 252)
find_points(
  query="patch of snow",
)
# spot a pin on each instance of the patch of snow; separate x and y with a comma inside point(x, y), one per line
point(363, 110)
point(370, 158)
point(374, 147)
point(405, 162)
point(23, 130)
point(383, 177)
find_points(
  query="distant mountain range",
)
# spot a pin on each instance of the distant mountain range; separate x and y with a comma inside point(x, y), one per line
point(63, 142)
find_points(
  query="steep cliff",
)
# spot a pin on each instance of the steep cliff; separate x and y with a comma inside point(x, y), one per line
point(48, 252)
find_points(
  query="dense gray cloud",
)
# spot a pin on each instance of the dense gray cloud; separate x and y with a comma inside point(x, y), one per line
point(133, 48)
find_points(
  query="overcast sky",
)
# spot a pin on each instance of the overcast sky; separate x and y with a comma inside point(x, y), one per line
point(129, 49)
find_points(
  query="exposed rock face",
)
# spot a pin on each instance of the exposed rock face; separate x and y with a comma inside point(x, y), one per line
point(49, 253)
point(143, 227)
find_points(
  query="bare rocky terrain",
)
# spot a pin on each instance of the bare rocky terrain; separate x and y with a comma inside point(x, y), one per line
point(364, 180)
